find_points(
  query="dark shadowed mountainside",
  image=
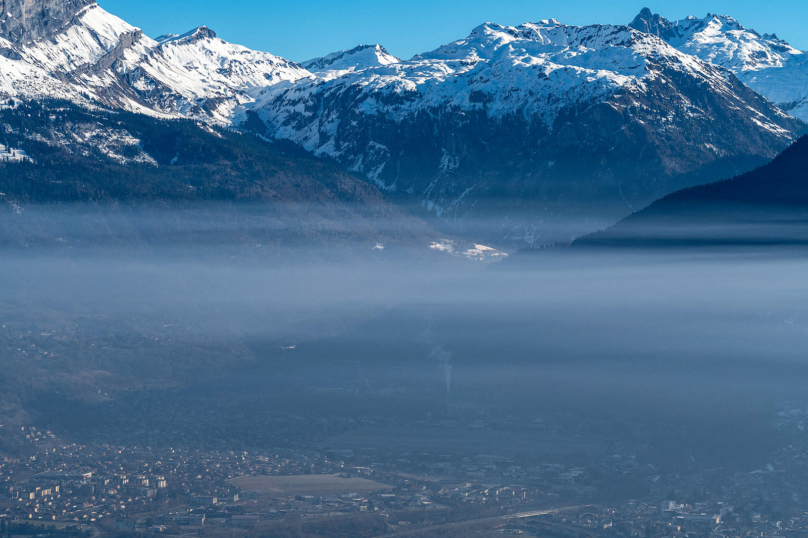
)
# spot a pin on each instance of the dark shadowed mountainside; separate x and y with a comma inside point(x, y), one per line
point(768, 206)
point(89, 175)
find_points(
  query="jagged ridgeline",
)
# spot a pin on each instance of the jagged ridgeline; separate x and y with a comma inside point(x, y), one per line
point(511, 135)
point(541, 131)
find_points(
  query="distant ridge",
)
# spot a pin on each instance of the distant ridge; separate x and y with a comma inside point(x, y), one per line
point(511, 135)
point(543, 131)
point(767, 206)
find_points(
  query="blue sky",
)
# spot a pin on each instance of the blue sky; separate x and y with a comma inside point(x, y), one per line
point(302, 29)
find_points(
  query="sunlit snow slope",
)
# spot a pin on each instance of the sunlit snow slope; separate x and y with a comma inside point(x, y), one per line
point(767, 64)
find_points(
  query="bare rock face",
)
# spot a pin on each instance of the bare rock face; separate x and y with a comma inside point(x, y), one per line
point(23, 21)
point(653, 24)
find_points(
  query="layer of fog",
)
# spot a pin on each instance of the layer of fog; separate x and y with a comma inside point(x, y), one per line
point(696, 337)
point(660, 309)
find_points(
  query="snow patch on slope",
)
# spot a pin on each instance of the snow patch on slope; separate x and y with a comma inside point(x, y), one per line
point(473, 252)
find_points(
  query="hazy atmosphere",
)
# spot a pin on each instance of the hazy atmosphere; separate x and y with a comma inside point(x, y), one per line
point(427, 271)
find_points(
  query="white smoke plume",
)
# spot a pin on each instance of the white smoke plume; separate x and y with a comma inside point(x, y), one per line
point(444, 360)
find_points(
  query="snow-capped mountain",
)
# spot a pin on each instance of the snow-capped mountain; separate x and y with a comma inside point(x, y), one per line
point(24, 21)
point(356, 59)
point(88, 53)
point(535, 133)
point(540, 131)
point(765, 63)
point(23, 26)
point(200, 75)
point(67, 49)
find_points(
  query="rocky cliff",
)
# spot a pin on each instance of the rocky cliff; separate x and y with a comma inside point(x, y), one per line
point(28, 20)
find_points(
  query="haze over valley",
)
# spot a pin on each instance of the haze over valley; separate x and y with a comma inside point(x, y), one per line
point(543, 280)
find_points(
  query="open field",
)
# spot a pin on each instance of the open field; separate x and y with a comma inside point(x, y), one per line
point(325, 484)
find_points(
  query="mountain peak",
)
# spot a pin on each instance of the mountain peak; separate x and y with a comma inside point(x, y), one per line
point(492, 28)
point(651, 23)
point(355, 59)
point(23, 21)
point(201, 32)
